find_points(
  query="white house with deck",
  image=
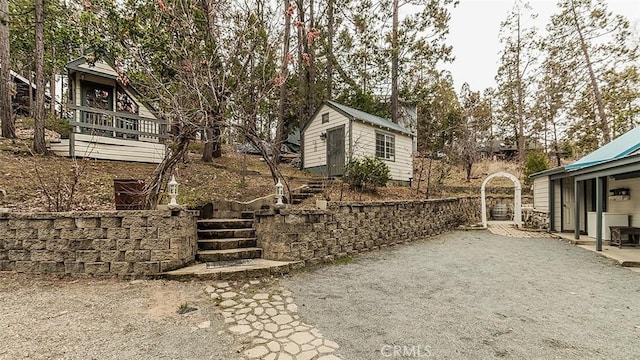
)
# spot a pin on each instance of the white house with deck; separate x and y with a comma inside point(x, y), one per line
point(336, 133)
point(108, 119)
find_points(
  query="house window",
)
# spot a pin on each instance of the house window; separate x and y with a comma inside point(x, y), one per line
point(385, 146)
point(325, 118)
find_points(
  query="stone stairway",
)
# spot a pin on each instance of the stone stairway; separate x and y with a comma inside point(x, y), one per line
point(227, 251)
point(313, 187)
point(228, 239)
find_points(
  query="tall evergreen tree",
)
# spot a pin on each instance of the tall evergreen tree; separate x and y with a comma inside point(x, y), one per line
point(591, 41)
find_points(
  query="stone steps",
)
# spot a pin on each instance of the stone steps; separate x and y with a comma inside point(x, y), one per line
point(226, 244)
point(217, 224)
point(226, 233)
point(232, 239)
point(213, 256)
point(255, 268)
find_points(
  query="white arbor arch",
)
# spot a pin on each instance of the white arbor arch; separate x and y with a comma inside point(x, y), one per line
point(517, 201)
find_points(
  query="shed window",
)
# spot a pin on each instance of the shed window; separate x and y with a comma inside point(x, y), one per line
point(325, 118)
point(385, 146)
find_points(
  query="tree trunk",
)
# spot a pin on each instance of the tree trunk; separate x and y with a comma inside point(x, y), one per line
point(52, 86)
point(604, 125)
point(280, 129)
point(522, 147)
point(311, 76)
point(395, 54)
point(39, 145)
point(303, 87)
point(6, 110)
point(207, 153)
point(330, 34)
point(212, 130)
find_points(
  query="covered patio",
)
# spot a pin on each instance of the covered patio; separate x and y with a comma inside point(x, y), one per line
point(597, 196)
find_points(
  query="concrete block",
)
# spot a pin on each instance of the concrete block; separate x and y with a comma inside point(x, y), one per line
point(137, 255)
point(117, 233)
point(155, 244)
point(72, 267)
point(111, 256)
point(52, 267)
point(168, 265)
point(27, 267)
point(87, 256)
point(19, 255)
point(111, 222)
point(34, 244)
point(7, 265)
point(19, 224)
point(6, 233)
point(57, 244)
point(95, 268)
point(64, 223)
point(146, 268)
point(164, 255)
point(80, 244)
point(46, 255)
point(134, 221)
point(121, 268)
point(26, 233)
point(127, 244)
point(104, 244)
point(48, 234)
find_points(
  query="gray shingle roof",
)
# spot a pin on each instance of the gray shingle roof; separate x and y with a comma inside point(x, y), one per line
point(366, 117)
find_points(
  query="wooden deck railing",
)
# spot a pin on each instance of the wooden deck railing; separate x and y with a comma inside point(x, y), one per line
point(117, 124)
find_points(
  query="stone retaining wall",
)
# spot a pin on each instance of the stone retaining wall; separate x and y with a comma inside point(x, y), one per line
point(535, 219)
point(346, 228)
point(111, 243)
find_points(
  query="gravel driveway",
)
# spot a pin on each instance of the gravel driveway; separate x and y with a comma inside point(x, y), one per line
point(52, 318)
point(474, 295)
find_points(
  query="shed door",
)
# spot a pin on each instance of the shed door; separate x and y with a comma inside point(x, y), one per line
point(335, 151)
point(568, 198)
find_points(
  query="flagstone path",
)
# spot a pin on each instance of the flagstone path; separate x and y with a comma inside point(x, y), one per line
point(269, 319)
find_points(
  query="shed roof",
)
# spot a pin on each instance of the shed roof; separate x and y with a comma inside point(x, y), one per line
point(622, 146)
point(366, 117)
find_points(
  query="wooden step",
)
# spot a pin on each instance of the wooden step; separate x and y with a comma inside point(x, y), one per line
point(226, 233)
point(226, 244)
point(228, 254)
point(216, 224)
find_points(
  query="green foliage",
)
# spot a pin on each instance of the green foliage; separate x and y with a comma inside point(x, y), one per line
point(61, 126)
point(366, 173)
point(536, 161)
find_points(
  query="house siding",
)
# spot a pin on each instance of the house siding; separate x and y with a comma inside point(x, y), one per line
point(631, 206)
point(100, 66)
point(315, 148)
point(364, 144)
point(541, 193)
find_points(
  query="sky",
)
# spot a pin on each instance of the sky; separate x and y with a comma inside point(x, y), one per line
point(474, 30)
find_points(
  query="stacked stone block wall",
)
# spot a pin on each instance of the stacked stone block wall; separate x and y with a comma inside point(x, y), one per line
point(316, 236)
point(535, 219)
point(115, 243)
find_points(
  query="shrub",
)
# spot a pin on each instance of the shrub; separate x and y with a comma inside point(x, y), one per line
point(536, 161)
point(366, 173)
point(61, 126)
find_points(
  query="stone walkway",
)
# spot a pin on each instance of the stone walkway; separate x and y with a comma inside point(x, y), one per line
point(269, 318)
point(507, 228)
